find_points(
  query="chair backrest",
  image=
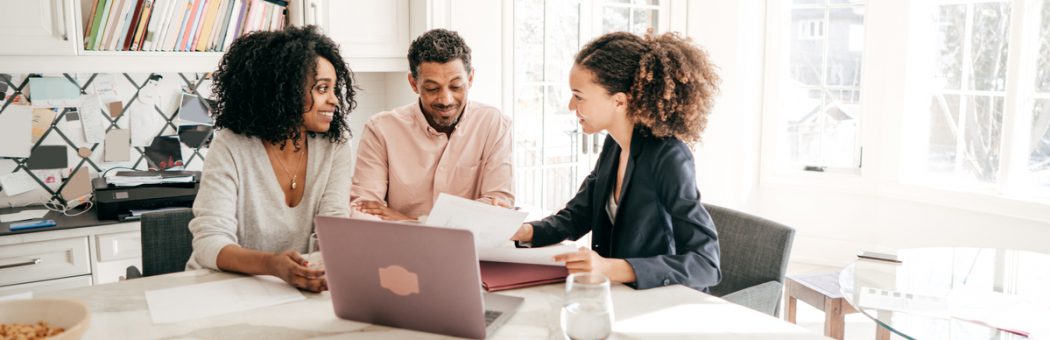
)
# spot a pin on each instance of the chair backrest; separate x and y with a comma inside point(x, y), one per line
point(754, 250)
point(166, 241)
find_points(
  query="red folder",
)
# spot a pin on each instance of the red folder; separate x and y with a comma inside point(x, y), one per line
point(497, 276)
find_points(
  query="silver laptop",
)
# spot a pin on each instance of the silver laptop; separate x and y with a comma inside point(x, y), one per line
point(409, 276)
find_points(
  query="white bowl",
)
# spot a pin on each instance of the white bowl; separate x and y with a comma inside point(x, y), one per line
point(71, 315)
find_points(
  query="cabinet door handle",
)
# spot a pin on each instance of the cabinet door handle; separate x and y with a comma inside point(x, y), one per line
point(65, 29)
point(317, 20)
point(21, 264)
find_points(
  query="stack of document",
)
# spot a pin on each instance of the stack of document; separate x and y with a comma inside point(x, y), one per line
point(503, 265)
point(133, 181)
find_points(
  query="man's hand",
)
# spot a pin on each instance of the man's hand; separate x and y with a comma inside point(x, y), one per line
point(496, 202)
point(524, 233)
point(293, 269)
point(379, 209)
point(586, 260)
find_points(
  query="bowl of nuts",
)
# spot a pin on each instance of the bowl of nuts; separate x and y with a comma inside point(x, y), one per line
point(58, 319)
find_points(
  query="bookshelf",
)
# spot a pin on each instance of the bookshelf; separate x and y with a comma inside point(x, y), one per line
point(374, 36)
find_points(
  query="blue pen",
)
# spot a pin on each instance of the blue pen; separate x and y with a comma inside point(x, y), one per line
point(32, 224)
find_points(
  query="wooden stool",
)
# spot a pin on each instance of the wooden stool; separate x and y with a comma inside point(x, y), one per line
point(822, 291)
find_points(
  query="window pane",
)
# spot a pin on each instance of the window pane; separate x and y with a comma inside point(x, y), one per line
point(1042, 75)
point(807, 45)
point(841, 116)
point(635, 2)
point(944, 111)
point(809, 2)
point(991, 28)
point(643, 20)
point(845, 45)
point(804, 129)
point(528, 125)
point(1039, 159)
point(528, 40)
point(951, 24)
point(563, 40)
point(561, 140)
point(615, 19)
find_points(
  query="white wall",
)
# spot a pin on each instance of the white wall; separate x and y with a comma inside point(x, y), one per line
point(728, 159)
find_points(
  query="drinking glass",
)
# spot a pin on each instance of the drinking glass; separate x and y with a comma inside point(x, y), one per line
point(588, 310)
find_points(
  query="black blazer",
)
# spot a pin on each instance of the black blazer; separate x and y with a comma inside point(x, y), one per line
point(661, 228)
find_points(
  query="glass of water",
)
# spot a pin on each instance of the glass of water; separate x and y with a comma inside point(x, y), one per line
point(588, 310)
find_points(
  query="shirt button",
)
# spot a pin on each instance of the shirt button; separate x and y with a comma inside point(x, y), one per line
point(596, 246)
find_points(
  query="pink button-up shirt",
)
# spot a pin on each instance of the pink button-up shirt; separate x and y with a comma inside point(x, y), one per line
point(404, 162)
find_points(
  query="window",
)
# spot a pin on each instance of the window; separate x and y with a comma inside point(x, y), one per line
point(552, 155)
point(988, 111)
point(818, 125)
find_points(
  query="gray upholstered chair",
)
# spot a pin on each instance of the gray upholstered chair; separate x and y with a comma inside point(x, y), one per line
point(166, 242)
point(754, 259)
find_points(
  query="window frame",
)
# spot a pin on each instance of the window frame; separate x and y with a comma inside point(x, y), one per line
point(886, 134)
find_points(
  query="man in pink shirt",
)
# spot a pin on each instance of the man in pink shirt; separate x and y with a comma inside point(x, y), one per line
point(441, 143)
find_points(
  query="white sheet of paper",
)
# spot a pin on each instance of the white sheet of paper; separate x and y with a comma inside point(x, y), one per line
point(19, 296)
point(91, 119)
point(23, 215)
point(16, 183)
point(218, 298)
point(541, 255)
point(492, 226)
point(53, 92)
point(16, 125)
point(145, 122)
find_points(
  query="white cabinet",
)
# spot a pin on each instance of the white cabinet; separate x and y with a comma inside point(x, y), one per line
point(38, 27)
point(66, 258)
point(372, 35)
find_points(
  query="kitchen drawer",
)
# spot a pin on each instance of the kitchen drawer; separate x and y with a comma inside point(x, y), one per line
point(46, 286)
point(119, 246)
point(43, 260)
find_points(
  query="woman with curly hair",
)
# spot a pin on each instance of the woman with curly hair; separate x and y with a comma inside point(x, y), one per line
point(279, 157)
point(652, 95)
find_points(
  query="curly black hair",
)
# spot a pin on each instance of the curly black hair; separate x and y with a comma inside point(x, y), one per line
point(670, 81)
point(261, 85)
point(437, 45)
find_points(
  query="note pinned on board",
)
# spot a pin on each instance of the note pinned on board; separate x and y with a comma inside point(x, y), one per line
point(42, 119)
point(210, 299)
point(16, 183)
point(48, 157)
point(91, 121)
point(53, 92)
point(118, 145)
point(492, 226)
point(16, 126)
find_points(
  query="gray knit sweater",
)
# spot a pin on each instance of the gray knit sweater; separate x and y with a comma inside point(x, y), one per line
point(240, 201)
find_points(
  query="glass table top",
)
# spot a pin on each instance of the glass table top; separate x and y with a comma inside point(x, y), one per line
point(957, 293)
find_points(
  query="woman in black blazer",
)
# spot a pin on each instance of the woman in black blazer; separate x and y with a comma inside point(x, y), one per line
point(652, 95)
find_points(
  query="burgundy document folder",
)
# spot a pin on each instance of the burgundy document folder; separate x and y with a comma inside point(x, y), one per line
point(496, 276)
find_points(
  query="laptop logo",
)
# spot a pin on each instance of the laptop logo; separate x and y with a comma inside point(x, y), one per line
point(399, 280)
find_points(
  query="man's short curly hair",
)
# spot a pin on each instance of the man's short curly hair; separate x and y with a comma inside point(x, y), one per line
point(440, 46)
point(671, 83)
point(262, 85)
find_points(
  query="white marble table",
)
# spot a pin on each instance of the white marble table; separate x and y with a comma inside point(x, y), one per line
point(119, 311)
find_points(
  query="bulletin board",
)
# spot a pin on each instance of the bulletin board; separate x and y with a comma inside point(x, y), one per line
point(160, 115)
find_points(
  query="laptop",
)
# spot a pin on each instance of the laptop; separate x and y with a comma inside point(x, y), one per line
point(409, 276)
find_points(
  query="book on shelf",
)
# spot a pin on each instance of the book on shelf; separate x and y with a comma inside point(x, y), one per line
point(178, 25)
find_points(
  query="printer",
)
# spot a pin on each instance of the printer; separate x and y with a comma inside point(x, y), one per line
point(117, 196)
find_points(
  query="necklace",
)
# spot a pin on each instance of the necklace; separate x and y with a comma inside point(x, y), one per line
point(279, 161)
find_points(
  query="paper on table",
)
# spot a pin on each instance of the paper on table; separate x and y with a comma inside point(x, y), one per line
point(16, 183)
point(541, 255)
point(491, 225)
point(23, 215)
point(217, 298)
point(15, 125)
point(90, 110)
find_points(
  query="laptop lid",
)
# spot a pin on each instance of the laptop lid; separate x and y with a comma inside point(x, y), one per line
point(404, 275)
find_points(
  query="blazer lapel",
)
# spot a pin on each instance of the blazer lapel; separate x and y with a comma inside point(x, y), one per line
point(636, 147)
